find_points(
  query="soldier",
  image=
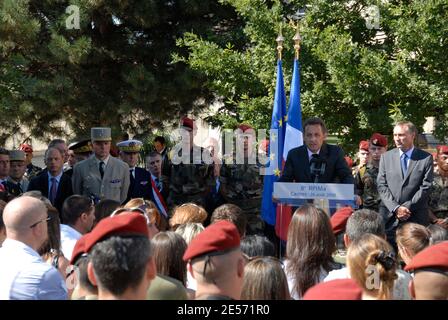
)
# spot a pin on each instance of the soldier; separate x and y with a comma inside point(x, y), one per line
point(78, 151)
point(101, 176)
point(191, 177)
point(140, 179)
point(16, 182)
point(363, 156)
point(438, 197)
point(242, 183)
point(31, 169)
point(4, 165)
point(160, 146)
point(369, 192)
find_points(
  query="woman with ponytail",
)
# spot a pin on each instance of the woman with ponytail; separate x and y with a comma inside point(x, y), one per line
point(372, 264)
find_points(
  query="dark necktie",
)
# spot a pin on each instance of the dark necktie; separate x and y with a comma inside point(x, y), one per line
point(404, 164)
point(53, 190)
point(102, 169)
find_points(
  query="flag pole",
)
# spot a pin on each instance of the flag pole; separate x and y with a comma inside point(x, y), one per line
point(297, 39)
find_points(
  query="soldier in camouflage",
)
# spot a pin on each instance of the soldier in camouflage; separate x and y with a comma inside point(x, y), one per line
point(241, 182)
point(438, 197)
point(191, 175)
point(368, 186)
point(31, 170)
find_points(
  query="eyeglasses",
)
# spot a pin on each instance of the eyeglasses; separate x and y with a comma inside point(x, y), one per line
point(35, 224)
point(135, 209)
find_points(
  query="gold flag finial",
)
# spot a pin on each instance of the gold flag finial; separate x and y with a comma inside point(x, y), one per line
point(297, 39)
point(280, 39)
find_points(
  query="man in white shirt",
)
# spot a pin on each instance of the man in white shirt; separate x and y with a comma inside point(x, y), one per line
point(78, 213)
point(23, 273)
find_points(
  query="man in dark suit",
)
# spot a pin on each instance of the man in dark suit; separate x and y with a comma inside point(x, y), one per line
point(160, 146)
point(52, 182)
point(140, 179)
point(404, 180)
point(315, 154)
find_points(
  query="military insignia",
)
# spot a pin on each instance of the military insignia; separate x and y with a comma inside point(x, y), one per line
point(374, 141)
point(143, 183)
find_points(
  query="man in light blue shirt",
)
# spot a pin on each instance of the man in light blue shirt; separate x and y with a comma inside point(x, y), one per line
point(23, 273)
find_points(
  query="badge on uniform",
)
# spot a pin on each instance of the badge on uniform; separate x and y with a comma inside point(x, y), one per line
point(144, 183)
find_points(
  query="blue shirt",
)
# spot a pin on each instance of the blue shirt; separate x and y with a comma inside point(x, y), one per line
point(25, 276)
point(58, 179)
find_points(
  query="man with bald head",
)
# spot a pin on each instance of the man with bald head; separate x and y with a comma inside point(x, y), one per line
point(23, 273)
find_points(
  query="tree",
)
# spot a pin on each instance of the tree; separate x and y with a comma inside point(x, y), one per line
point(358, 73)
point(115, 69)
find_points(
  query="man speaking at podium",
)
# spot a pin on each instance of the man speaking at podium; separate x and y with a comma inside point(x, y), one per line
point(316, 161)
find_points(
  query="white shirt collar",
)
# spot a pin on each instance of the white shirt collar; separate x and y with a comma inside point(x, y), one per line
point(105, 160)
point(408, 153)
point(58, 177)
point(18, 246)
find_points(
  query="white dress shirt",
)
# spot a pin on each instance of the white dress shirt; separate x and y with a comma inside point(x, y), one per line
point(25, 276)
point(69, 236)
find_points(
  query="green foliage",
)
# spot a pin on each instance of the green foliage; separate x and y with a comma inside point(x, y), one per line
point(357, 78)
point(115, 70)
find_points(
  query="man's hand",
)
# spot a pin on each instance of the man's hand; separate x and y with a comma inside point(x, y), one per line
point(358, 200)
point(442, 222)
point(403, 213)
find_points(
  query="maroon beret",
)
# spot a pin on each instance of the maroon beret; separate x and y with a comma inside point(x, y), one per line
point(124, 224)
point(442, 149)
point(244, 127)
point(339, 219)
point(26, 148)
point(378, 140)
point(218, 237)
point(364, 145)
point(187, 123)
point(79, 249)
point(435, 256)
point(339, 289)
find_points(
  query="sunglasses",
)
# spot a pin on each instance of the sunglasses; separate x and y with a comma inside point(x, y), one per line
point(35, 224)
point(135, 209)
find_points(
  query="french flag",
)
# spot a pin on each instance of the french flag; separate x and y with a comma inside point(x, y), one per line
point(158, 199)
point(293, 139)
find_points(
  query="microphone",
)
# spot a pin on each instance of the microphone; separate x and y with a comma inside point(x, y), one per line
point(315, 167)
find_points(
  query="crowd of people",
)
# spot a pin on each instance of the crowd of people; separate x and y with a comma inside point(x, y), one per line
point(96, 225)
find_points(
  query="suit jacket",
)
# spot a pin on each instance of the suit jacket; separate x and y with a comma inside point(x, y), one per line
point(297, 166)
point(40, 183)
point(140, 186)
point(411, 191)
point(114, 185)
point(166, 163)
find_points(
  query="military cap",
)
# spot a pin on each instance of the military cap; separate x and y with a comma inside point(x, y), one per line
point(339, 219)
point(339, 289)
point(244, 127)
point(442, 149)
point(187, 123)
point(17, 155)
point(79, 249)
point(435, 256)
point(216, 239)
point(100, 134)
point(26, 148)
point(83, 146)
point(377, 139)
point(364, 145)
point(130, 146)
point(124, 224)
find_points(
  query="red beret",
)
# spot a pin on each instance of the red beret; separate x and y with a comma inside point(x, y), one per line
point(378, 140)
point(339, 219)
point(442, 149)
point(79, 249)
point(125, 224)
point(220, 236)
point(340, 289)
point(244, 127)
point(435, 256)
point(187, 123)
point(26, 148)
point(364, 145)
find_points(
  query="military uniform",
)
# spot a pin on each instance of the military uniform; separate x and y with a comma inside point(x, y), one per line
point(438, 197)
point(370, 196)
point(31, 170)
point(190, 182)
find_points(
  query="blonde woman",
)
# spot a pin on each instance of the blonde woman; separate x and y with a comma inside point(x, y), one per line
point(372, 264)
point(187, 212)
point(411, 239)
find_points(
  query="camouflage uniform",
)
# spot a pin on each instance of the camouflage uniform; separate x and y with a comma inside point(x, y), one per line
point(242, 185)
point(190, 182)
point(438, 197)
point(370, 196)
point(31, 171)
